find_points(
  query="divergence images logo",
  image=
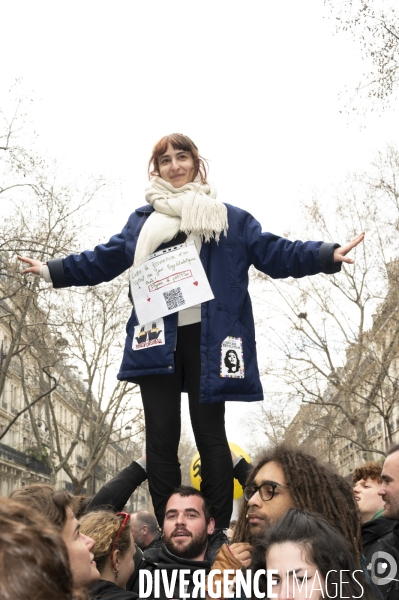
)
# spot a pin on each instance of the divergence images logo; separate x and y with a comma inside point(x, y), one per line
point(383, 568)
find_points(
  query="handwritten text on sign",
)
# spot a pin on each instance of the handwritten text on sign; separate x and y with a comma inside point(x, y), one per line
point(168, 281)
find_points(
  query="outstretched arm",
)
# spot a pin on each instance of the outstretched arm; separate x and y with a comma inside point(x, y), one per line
point(280, 258)
point(341, 252)
point(91, 267)
point(118, 490)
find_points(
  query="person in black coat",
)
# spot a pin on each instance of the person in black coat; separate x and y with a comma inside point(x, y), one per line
point(385, 564)
point(188, 525)
point(116, 493)
point(175, 549)
point(145, 530)
point(367, 480)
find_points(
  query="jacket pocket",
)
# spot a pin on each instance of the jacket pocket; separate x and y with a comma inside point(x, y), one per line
point(232, 267)
point(236, 322)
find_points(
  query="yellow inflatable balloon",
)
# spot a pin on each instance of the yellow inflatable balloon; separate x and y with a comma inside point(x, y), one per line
point(195, 469)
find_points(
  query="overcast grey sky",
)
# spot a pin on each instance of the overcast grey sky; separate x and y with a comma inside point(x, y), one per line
point(254, 83)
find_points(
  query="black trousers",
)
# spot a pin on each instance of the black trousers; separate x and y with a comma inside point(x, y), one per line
point(161, 396)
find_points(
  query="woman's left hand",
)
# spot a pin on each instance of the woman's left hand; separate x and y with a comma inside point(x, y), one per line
point(242, 551)
point(340, 253)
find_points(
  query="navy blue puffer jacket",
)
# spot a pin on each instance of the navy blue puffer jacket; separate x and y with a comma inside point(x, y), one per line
point(229, 314)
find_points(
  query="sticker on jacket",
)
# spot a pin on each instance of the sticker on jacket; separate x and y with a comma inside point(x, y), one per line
point(149, 335)
point(232, 358)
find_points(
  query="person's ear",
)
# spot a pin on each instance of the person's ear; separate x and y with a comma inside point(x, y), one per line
point(115, 560)
point(144, 529)
point(211, 526)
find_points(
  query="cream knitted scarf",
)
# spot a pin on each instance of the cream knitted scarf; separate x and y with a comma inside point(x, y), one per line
point(192, 208)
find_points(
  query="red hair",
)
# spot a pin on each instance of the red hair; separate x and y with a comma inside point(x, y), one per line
point(178, 141)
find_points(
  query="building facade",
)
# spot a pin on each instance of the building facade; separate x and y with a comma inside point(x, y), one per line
point(357, 417)
point(53, 434)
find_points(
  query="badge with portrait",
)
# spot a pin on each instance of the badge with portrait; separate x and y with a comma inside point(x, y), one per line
point(232, 358)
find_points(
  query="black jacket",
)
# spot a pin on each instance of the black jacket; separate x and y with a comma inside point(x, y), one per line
point(116, 493)
point(372, 531)
point(156, 543)
point(242, 470)
point(139, 564)
point(389, 546)
point(118, 490)
point(106, 590)
point(161, 558)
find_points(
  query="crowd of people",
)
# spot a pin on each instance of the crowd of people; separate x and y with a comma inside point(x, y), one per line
point(303, 531)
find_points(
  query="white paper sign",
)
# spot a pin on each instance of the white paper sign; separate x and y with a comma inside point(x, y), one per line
point(150, 335)
point(168, 281)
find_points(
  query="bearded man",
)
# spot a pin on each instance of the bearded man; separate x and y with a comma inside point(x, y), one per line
point(187, 527)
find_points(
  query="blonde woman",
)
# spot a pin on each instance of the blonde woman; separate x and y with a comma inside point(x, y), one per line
point(114, 552)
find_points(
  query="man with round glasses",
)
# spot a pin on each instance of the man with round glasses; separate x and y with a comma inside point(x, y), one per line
point(266, 490)
point(284, 478)
point(268, 498)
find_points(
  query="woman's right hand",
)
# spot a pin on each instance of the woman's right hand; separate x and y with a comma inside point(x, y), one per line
point(34, 265)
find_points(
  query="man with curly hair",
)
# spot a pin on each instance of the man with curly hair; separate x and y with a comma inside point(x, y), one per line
point(367, 480)
point(287, 477)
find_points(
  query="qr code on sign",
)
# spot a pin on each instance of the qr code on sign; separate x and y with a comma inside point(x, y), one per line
point(174, 298)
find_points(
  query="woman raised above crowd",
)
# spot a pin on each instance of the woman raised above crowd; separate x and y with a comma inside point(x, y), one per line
point(202, 345)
